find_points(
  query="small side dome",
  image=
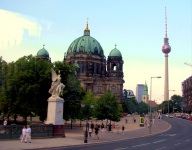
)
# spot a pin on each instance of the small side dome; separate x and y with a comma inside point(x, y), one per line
point(43, 52)
point(115, 52)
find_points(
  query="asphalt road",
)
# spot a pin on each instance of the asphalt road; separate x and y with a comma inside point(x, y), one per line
point(179, 137)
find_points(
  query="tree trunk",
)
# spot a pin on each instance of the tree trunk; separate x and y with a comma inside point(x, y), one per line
point(71, 123)
point(15, 118)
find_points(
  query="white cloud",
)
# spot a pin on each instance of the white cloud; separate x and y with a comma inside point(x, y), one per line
point(12, 28)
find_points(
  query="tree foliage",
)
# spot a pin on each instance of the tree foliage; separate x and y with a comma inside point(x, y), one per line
point(24, 87)
point(108, 107)
point(130, 105)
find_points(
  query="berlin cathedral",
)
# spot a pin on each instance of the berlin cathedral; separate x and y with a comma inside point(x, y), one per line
point(95, 72)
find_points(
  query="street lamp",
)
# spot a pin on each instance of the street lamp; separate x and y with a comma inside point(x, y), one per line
point(168, 100)
point(87, 125)
point(150, 121)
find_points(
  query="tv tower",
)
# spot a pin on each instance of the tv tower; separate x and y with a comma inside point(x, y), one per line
point(166, 48)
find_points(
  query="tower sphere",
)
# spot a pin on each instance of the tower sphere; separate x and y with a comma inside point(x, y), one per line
point(166, 48)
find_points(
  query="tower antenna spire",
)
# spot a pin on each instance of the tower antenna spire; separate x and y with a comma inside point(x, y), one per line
point(87, 28)
point(165, 22)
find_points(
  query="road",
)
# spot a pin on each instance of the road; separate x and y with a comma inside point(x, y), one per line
point(178, 137)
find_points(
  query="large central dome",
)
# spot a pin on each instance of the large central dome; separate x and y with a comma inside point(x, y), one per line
point(85, 44)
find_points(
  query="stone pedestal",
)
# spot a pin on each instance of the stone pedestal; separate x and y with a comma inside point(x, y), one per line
point(58, 130)
point(55, 115)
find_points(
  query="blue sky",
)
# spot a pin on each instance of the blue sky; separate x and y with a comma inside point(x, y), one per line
point(136, 26)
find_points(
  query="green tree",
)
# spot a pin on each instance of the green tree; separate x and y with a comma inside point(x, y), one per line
point(89, 101)
point(108, 107)
point(25, 83)
point(176, 99)
point(130, 105)
point(143, 108)
point(73, 92)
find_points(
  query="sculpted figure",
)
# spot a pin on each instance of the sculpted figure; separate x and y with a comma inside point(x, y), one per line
point(56, 87)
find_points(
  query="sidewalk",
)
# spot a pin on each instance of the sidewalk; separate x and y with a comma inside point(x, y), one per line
point(75, 136)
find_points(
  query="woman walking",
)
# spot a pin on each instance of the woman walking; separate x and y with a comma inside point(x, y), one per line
point(23, 135)
point(97, 132)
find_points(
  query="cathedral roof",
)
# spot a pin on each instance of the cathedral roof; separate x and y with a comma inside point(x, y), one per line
point(43, 52)
point(115, 52)
point(85, 44)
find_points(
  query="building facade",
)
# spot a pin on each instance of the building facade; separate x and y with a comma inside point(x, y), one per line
point(139, 92)
point(95, 72)
point(186, 104)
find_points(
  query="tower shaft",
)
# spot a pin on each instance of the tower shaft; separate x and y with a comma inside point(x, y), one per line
point(166, 83)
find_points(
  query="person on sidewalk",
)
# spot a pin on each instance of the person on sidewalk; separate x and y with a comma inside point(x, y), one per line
point(90, 132)
point(123, 128)
point(5, 122)
point(28, 134)
point(23, 135)
point(102, 127)
point(92, 126)
point(117, 127)
point(96, 132)
point(110, 127)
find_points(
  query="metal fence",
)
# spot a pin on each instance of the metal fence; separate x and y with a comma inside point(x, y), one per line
point(14, 131)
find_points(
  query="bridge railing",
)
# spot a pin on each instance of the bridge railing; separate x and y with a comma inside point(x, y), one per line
point(14, 131)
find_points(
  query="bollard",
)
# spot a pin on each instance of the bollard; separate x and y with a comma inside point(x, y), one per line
point(85, 136)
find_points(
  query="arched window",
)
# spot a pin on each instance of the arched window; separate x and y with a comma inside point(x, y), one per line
point(114, 67)
point(95, 50)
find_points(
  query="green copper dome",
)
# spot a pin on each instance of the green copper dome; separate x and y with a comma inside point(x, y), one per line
point(43, 52)
point(115, 52)
point(85, 44)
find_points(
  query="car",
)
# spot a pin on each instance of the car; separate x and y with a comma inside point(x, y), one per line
point(170, 116)
point(184, 117)
point(179, 116)
point(189, 118)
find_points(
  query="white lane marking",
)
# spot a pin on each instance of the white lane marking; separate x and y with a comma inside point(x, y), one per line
point(188, 140)
point(161, 148)
point(141, 145)
point(177, 143)
point(121, 148)
point(159, 141)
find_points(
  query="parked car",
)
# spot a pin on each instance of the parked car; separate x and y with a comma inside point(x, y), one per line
point(184, 117)
point(171, 116)
point(190, 118)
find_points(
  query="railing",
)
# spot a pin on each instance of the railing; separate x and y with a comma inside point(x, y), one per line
point(14, 131)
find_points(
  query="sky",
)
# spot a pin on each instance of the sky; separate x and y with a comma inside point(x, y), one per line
point(137, 27)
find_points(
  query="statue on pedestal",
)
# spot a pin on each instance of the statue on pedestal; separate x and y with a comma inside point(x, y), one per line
point(57, 87)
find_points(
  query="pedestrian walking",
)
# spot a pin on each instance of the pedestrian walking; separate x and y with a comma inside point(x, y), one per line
point(117, 127)
point(159, 119)
point(28, 134)
point(96, 132)
point(126, 121)
point(110, 127)
point(123, 128)
point(90, 132)
point(92, 126)
point(5, 122)
point(23, 135)
point(102, 127)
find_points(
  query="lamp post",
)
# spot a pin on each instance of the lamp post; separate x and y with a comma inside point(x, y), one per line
point(168, 100)
point(150, 120)
point(87, 125)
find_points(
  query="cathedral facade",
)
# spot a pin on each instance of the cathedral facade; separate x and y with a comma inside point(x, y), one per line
point(95, 72)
